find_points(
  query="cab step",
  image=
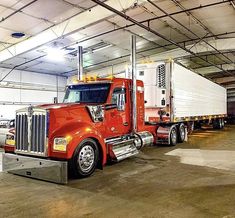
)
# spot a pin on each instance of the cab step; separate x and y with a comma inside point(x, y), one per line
point(120, 150)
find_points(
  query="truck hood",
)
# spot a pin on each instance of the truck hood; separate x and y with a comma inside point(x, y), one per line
point(66, 117)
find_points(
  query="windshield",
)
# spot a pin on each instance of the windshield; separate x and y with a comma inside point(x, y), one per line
point(87, 93)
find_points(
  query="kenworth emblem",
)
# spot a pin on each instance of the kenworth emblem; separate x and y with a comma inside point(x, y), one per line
point(30, 111)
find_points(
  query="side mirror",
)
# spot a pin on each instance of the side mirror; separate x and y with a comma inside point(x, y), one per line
point(121, 102)
point(55, 100)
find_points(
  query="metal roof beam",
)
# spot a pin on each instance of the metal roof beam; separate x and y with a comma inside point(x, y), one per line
point(186, 50)
point(189, 30)
point(73, 24)
point(163, 16)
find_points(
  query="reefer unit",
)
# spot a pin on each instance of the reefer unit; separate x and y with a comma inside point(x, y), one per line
point(174, 93)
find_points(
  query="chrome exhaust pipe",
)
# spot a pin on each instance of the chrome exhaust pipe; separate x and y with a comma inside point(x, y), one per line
point(80, 62)
point(133, 73)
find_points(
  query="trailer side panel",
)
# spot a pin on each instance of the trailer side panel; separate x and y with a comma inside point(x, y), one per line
point(194, 95)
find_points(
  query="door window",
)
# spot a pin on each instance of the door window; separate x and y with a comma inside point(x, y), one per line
point(119, 98)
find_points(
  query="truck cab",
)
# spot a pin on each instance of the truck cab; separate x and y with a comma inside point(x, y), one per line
point(108, 104)
point(91, 126)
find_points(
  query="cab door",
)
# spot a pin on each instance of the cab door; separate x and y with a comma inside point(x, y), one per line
point(118, 121)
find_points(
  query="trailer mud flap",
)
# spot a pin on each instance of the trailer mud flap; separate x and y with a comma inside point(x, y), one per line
point(37, 168)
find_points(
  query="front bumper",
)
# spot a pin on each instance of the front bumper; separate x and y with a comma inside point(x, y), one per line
point(38, 168)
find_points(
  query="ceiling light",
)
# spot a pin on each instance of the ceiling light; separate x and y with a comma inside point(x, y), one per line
point(55, 54)
point(3, 83)
point(17, 35)
point(69, 49)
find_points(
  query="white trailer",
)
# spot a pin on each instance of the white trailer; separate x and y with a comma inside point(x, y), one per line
point(176, 95)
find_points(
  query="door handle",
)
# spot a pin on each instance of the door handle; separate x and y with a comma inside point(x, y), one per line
point(125, 124)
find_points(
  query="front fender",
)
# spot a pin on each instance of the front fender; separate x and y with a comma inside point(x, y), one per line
point(82, 131)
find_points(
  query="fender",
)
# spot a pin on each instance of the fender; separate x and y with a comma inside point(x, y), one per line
point(78, 131)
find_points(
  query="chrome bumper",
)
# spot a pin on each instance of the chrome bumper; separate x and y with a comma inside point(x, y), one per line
point(37, 168)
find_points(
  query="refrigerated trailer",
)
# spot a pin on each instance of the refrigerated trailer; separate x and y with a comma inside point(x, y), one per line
point(94, 124)
point(175, 94)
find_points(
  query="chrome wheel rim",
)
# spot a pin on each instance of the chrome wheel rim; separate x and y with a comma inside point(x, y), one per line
point(86, 158)
point(173, 136)
point(182, 132)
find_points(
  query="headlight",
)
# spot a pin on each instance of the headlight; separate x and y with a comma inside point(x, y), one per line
point(10, 140)
point(60, 144)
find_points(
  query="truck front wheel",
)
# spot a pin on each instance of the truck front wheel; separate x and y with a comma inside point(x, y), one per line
point(85, 158)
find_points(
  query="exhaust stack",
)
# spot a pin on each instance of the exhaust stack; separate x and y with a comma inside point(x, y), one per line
point(133, 74)
point(80, 62)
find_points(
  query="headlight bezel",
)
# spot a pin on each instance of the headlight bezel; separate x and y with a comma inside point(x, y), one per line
point(60, 144)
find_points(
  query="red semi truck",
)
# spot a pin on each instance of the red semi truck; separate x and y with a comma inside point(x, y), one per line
point(94, 124)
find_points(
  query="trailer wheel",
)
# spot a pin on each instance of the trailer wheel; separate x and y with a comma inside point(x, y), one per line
point(181, 133)
point(218, 124)
point(173, 136)
point(85, 158)
point(215, 124)
point(222, 121)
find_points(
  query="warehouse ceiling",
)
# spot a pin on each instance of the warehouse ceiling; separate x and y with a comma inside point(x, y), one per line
point(197, 34)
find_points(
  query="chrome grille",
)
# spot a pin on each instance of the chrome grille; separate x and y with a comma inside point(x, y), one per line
point(31, 131)
point(22, 132)
point(38, 133)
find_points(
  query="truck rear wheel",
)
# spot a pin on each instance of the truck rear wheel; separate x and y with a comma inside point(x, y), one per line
point(85, 158)
point(173, 136)
point(181, 133)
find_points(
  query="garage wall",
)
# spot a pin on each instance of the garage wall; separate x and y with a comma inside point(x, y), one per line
point(23, 88)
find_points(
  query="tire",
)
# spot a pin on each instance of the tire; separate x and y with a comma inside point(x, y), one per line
point(218, 124)
point(85, 159)
point(215, 124)
point(181, 133)
point(173, 136)
point(222, 121)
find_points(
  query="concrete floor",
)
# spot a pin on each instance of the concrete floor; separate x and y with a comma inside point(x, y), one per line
point(152, 184)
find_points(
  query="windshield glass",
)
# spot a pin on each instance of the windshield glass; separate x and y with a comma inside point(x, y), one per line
point(87, 93)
